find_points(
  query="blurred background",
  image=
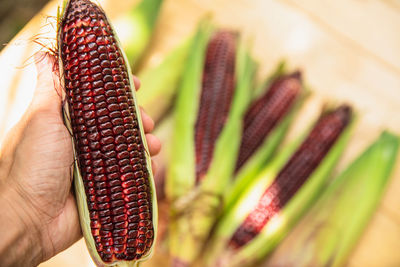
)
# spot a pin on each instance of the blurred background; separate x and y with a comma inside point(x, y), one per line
point(14, 14)
point(348, 50)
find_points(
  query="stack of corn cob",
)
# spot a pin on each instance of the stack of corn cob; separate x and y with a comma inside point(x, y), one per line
point(232, 195)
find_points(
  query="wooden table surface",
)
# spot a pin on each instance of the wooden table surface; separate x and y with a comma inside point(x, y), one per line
point(348, 50)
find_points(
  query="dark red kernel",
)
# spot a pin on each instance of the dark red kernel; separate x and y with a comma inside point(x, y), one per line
point(104, 123)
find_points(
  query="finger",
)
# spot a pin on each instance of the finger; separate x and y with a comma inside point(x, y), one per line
point(48, 74)
point(154, 144)
point(147, 121)
point(48, 89)
point(136, 82)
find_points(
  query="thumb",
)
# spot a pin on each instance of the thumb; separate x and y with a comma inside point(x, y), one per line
point(48, 89)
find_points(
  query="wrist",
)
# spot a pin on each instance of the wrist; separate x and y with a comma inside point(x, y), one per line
point(21, 239)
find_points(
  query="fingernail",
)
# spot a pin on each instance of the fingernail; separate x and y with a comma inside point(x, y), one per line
point(136, 82)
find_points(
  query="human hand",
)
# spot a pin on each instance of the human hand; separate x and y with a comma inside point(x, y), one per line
point(39, 213)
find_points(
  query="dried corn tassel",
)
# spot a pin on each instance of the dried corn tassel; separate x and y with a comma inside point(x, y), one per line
point(210, 105)
point(113, 179)
point(326, 236)
point(273, 203)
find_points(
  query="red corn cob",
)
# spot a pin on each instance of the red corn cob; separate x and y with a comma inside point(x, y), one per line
point(216, 96)
point(108, 144)
point(293, 175)
point(266, 112)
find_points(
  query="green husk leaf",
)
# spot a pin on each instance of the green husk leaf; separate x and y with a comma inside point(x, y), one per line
point(195, 208)
point(164, 133)
point(181, 172)
point(279, 226)
point(160, 83)
point(327, 235)
point(141, 21)
point(255, 164)
point(232, 214)
point(227, 147)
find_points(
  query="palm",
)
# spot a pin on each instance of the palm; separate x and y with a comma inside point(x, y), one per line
point(47, 144)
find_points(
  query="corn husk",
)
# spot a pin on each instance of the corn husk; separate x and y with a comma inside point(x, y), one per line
point(280, 225)
point(80, 195)
point(266, 150)
point(159, 84)
point(139, 24)
point(327, 235)
point(194, 207)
